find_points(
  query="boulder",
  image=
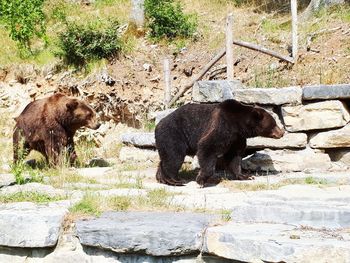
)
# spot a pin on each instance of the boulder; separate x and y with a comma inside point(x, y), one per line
point(138, 155)
point(289, 140)
point(313, 116)
point(326, 92)
point(331, 139)
point(28, 225)
point(274, 96)
point(287, 161)
point(150, 233)
point(140, 139)
point(267, 242)
point(214, 90)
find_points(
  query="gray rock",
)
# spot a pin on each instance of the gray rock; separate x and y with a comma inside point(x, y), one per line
point(138, 155)
point(287, 161)
point(312, 116)
point(275, 96)
point(214, 90)
point(33, 187)
point(160, 114)
point(150, 233)
point(31, 226)
point(289, 140)
point(331, 139)
point(302, 213)
point(263, 242)
point(7, 179)
point(139, 139)
point(316, 92)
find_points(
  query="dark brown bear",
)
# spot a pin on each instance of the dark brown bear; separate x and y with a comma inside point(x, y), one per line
point(215, 133)
point(48, 126)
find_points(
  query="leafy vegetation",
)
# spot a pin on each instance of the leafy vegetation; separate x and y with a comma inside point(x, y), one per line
point(166, 19)
point(81, 43)
point(24, 19)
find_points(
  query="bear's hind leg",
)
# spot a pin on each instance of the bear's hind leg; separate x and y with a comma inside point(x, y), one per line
point(20, 147)
point(170, 163)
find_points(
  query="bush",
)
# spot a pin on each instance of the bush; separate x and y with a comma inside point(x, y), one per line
point(80, 44)
point(24, 19)
point(167, 20)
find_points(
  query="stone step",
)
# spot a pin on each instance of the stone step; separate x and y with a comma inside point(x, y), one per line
point(265, 242)
point(149, 233)
point(27, 225)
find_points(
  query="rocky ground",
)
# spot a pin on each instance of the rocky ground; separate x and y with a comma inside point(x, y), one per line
point(293, 217)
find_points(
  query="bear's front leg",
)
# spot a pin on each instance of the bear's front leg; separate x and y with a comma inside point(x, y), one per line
point(235, 167)
point(207, 162)
point(71, 151)
point(55, 143)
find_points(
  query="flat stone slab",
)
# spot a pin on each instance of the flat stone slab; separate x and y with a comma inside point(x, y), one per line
point(214, 90)
point(289, 140)
point(274, 96)
point(315, 116)
point(150, 233)
point(339, 138)
point(33, 187)
point(158, 115)
point(139, 139)
point(325, 92)
point(28, 225)
point(287, 160)
point(7, 179)
point(138, 155)
point(264, 242)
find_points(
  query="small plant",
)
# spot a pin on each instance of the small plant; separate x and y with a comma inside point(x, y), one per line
point(80, 44)
point(24, 19)
point(312, 180)
point(166, 19)
point(119, 203)
point(90, 205)
point(226, 215)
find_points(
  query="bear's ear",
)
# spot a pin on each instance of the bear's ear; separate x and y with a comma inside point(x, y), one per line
point(72, 105)
point(257, 114)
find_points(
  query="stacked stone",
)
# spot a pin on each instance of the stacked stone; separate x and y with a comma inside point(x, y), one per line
point(316, 119)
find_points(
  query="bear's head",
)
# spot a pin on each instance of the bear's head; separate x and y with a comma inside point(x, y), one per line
point(81, 115)
point(264, 124)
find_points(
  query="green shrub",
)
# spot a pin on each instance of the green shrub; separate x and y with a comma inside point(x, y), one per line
point(24, 19)
point(166, 19)
point(80, 44)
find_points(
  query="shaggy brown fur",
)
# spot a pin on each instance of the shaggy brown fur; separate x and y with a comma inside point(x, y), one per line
point(48, 126)
point(215, 133)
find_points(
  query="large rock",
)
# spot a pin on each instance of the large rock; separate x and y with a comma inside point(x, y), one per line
point(275, 96)
point(326, 92)
point(140, 139)
point(138, 155)
point(312, 116)
point(220, 90)
point(158, 115)
point(301, 213)
point(287, 161)
point(214, 90)
point(289, 140)
point(332, 139)
point(150, 233)
point(264, 242)
point(28, 225)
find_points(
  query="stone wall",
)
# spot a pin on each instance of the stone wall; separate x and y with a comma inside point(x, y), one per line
point(316, 120)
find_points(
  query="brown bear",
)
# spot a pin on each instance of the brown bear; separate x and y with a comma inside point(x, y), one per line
point(48, 126)
point(216, 133)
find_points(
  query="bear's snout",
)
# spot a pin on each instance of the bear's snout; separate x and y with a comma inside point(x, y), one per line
point(277, 133)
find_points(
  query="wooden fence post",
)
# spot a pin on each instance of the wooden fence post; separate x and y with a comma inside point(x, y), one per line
point(294, 11)
point(167, 81)
point(229, 46)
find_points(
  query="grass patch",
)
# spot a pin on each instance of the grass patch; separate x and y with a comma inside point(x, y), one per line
point(312, 180)
point(89, 205)
point(34, 197)
point(120, 203)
